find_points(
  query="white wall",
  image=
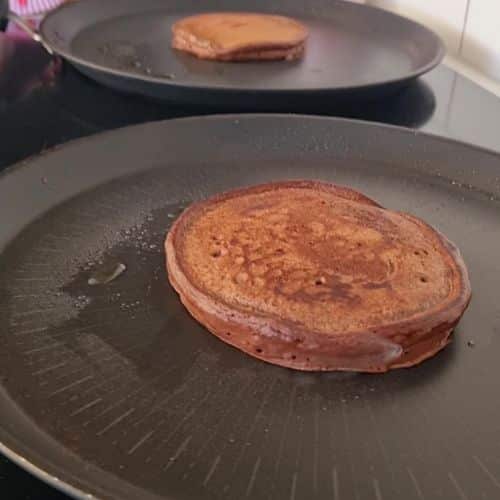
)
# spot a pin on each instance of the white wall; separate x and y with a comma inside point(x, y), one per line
point(470, 28)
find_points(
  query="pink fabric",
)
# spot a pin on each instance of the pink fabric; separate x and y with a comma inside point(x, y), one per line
point(31, 7)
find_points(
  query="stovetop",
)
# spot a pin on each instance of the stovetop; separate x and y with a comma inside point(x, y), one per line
point(44, 103)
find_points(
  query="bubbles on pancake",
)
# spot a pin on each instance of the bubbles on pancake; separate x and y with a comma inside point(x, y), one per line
point(218, 251)
point(241, 278)
point(260, 282)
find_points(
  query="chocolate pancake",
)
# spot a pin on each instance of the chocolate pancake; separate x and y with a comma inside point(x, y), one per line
point(237, 36)
point(314, 276)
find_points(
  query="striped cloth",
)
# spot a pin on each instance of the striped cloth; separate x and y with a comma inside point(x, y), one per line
point(33, 7)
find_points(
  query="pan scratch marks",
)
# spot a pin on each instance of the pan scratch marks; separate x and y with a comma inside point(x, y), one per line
point(294, 486)
point(376, 488)
point(74, 225)
point(116, 421)
point(29, 263)
point(122, 400)
point(25, 295)
point(415, 484)
point(298, 455)
point(33, 330)
point(291, 403)
point(34, 311)
point(485, 469)
point(49, 368)
point(316, 445)
point(222, 421)
point(108, 383)
point(160, 405)
point(56, 251)
point(184, 419)
point(252, 478)
point(254, 422)
point(347, 433)
point(70, 386)
point(59, 237)
point(335, 483)
point(211, 470)
point(140, 442)
point(381, 444)
point(40, 349)
point(221, 425)
point(178, 452)
point(458, 488)
point(105, 359)
point(31, 280)
point(85, 407)
point(82, 329)
point(106, 206)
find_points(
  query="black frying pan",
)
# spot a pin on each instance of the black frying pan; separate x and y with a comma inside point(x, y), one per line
point(115, 391)
point(353, 50)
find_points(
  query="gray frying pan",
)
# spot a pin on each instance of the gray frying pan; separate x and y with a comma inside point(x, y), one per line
point(114, 391)
point(354, 50)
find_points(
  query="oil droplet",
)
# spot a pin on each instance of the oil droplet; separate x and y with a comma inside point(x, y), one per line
point(106, 274)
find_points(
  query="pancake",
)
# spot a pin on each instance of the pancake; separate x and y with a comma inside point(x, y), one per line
point(314, 276)
point(238, 36)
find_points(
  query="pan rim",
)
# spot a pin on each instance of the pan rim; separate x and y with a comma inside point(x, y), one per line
point(48, 478)
point(247, 116)
point(79, 61)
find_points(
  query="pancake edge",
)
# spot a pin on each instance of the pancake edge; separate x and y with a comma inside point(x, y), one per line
point(250, 331)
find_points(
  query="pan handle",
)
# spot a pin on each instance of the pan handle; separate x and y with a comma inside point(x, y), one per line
point(21, 23)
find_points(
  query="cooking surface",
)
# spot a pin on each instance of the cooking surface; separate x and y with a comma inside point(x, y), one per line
point(41, 106)
point(123, 378)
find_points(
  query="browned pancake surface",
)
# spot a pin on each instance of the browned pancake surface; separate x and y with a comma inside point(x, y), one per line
point(324, 265)
point(240, 36)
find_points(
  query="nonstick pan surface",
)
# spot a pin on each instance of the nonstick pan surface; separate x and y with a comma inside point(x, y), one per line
point(353, 50)
point(115, 391)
